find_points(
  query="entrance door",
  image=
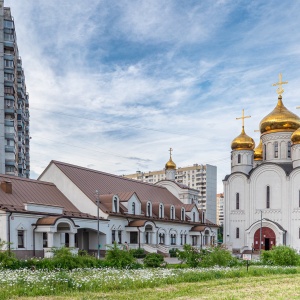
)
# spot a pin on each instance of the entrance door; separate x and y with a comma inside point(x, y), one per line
point(147, 237)
point(86, 241)
point(267, 244)
point(268, 238)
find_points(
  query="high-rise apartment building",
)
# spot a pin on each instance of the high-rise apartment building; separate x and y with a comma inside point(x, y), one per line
point(199, 177)
point(220, 209)
point(14, 105)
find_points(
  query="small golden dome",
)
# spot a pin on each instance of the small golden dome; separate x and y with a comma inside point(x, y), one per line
point(258, 151)
point(295, 138)
point(243, 142)
point(170, 164)
point(280, 119)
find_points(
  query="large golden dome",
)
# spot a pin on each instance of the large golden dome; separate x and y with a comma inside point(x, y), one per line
point(258, 151)
point(295, 138)
point(280, 119)
point(243, 142)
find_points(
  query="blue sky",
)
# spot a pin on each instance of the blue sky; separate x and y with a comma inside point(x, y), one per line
point(114, 84)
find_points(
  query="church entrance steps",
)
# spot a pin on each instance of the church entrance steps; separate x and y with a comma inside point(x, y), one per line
point(149, 248)
point(163, 249)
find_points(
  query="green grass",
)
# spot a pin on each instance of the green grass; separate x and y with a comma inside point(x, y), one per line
point(145, 283)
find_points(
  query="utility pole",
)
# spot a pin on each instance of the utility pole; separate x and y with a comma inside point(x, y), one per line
point(260, 233)
point(98, 236)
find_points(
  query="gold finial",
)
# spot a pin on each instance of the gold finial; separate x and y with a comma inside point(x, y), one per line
point(170, 150)
point(243, 117)
point(280, 90)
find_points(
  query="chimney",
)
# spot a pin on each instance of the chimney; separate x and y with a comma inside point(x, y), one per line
point(6, 187)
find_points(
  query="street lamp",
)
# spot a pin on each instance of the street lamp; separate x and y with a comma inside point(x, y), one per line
point(98, 236)
point(260, 232)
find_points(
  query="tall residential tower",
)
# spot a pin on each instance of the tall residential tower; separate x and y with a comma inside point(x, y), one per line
point(14, 106)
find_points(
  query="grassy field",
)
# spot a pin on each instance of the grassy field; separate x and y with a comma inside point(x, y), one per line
point(260, 282)
point(269, 287)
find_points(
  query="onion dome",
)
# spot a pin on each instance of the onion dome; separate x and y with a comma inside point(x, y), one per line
point(258, 151)
point(170, 165)
point(243, 142)
point(295, 138)
point(280, 119)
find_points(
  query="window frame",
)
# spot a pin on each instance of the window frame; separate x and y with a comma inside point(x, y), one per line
point(21, 234)
point(268, 193)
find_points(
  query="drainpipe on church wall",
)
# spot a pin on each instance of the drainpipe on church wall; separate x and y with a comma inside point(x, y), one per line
point(8, 230)
point(33, 239)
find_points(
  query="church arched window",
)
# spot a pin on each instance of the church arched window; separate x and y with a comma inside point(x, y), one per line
point(237, 233)
point(289, 149)
point(239, 158)
point(237, 201)
point(268, 197)
point(133, 208)
point(265, 152)
point(276, 149)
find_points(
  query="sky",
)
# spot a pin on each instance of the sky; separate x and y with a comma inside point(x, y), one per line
point(114, 84)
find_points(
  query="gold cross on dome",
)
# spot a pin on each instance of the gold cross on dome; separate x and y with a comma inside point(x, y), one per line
point(280, 90)
point(243, 117)
point(170, 150)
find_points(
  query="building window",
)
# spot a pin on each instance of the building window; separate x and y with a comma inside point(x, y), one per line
point(239, 158)
point(276, 149)
point(8, 90)
point(8, 24)
point(182, 214)
point(237, 233)
point(161, 211)
point(149, 209)
point(133, 208)
point(8, 63)
point(45, 240)
point(115, 205)
point(172, 213)
point(21, 239)
point(8, 37)
point(173, 239)
point(181, 239)
point(268, 197)
point(162, 238)
point(120, 236)
point(9, 76)
point(237, 201)
point(133, 237)
point(289, 150)
point(113, 236)
point(265, 152)
point(194, 217)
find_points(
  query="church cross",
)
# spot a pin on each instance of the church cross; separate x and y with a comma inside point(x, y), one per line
point(280, 90)
point(170, 150)
point(243, 117)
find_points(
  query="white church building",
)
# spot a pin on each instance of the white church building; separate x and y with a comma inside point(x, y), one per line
point(61, 209)
point(262, 192)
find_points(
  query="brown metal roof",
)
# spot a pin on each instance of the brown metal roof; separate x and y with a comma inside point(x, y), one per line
point(33, 191)
point(90, 180)
point(137, 223)
point(198, 228)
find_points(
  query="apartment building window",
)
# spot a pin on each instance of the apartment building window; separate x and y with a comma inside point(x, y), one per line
point(8, 90)
point(276, 149)
point(21, 243)
point(9, 76)
point(8, 37)
point(8, 24)
point(289, 150)
point(8, 63)
point(237, 233)
point(268, 197)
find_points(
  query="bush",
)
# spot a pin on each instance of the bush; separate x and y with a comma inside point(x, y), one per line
point(190, 255)
point(118, 258)
point(217, 256)
point(280, 256)
point(138, 253)
point(154, 260)
point(8, 260)
point(173, 252)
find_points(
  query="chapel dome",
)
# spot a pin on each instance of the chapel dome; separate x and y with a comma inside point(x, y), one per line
point(170, 165)
point(258, 151)
point(295, 138)
point(280, 119)
point(243, 142)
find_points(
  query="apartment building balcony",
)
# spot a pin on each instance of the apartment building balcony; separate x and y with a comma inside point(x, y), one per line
point(10, 149)
point(9, 136)
point(9, 44)
point(9, 97)
point(9, 123)
point(10, 162)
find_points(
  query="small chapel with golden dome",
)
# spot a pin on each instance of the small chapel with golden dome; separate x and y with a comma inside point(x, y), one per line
point(262, 192)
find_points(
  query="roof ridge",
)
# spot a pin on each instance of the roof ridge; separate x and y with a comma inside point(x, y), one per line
point(26, 179)
point(104, 173)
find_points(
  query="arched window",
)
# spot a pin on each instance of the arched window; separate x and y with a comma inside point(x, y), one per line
point(276, 149)
point(161, 211)
point(289, 149)
point(239, 158)
point(182, 214)
point(237, 234)
point(172, 213)
point(133, 208)
point(161, 238)
point(268, 197)
point(194, 217)
point(237, 201)
point(149, 209)
point(115, 205)
point(265, 152)
point(173, 239)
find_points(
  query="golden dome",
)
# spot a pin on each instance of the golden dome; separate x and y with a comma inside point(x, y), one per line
point(170, 164)
point(258, 151)
point(280, 119)
point(243, 142)
point(296, 137)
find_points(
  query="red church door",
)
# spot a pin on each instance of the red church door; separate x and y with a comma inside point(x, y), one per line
point(268, 239)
